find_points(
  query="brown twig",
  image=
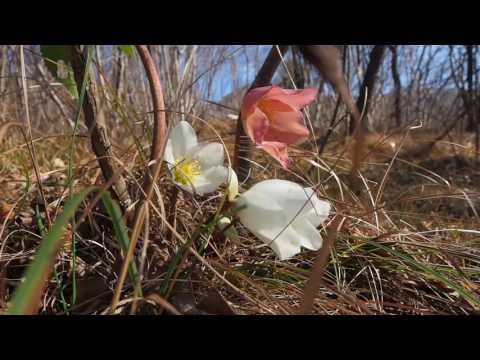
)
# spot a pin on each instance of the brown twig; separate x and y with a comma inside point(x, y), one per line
point(315, 280)
point(326, 59)
point(98, 131)
point(30, 146)
point(158, 147)
point(159, 121)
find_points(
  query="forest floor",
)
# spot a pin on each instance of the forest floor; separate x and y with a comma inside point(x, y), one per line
point(409, 242)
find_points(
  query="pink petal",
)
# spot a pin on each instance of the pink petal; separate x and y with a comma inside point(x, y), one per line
point(286, 128)
point(256, 125)
point(297, 99)
point(252, 98)
point(286, 123)
point(277, 150)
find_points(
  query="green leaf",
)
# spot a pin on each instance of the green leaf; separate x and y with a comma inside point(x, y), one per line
point(121, 232)
point(70, 83)
point(28, 295)
point(52, 55)
point(127, 49)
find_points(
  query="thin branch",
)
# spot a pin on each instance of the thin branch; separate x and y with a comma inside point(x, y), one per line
point(97, 128)
point(158, 148)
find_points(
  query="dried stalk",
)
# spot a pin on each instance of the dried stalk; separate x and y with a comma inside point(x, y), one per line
point(159, 140)
point(98, 131)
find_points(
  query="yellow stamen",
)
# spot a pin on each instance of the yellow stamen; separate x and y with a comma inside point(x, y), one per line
point(185, 171)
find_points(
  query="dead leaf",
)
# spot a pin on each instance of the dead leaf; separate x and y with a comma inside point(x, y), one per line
point(215, 304)
point(5, 211)
point(89, 291)
point(186, 304)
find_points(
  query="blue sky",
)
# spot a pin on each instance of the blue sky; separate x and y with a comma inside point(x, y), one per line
point(223, 82)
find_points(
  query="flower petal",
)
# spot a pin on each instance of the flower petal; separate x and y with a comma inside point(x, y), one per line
point(296, 201)
point(277, 150)
point(232, 185)
point(284, 215)
point(210, 180)
point(208, 155)
point(286, 127)
point(168, 154)
point(255, 125)
point(286, 245)
point(319, 211)
point(252, 98)
point(261, 215)
point(183, 138)
point(295, 98)
point(267, 221)
point(308, 235)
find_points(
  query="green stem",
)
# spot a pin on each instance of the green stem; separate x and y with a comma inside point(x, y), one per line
point(70, 168)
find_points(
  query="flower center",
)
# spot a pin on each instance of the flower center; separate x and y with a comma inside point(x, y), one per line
point(185, 171)
point(265, 107)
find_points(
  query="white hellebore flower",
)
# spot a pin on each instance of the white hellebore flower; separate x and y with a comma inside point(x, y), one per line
point(196, 168)
point(284, 215)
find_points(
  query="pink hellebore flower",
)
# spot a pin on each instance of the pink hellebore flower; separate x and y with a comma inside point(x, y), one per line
point(272, 118)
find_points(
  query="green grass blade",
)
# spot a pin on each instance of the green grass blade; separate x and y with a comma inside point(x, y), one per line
point(121, 232)
point(29, 292)
point(472, 299)
point(70, 165)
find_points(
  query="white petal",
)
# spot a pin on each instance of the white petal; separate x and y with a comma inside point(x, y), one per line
point(208, 155)
point(210, 180)
point(217, 175)
point(284, 215)
point(308, 235)
point(168, 154)
point(261, 215)
point(232, 185)
point(293, 198)
point(183, 138)
point(283, 244)
point(286, 245)
point(319, 211)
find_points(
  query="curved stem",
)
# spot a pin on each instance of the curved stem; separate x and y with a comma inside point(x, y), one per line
point(159, 119)
point(158, 146)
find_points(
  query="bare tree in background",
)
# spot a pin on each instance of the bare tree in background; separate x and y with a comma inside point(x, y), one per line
point(368, 84)
point(471, 103)
point(397, 112)
point(119, 73)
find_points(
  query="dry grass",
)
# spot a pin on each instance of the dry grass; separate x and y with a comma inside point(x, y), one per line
point(409, 241)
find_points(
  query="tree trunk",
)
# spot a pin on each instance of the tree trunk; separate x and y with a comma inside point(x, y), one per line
point(120, 70)
point(3, 79)
point(298, 69)
point(368, 84)
point(326, 58)
point(470, 104)
point(397, 87)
